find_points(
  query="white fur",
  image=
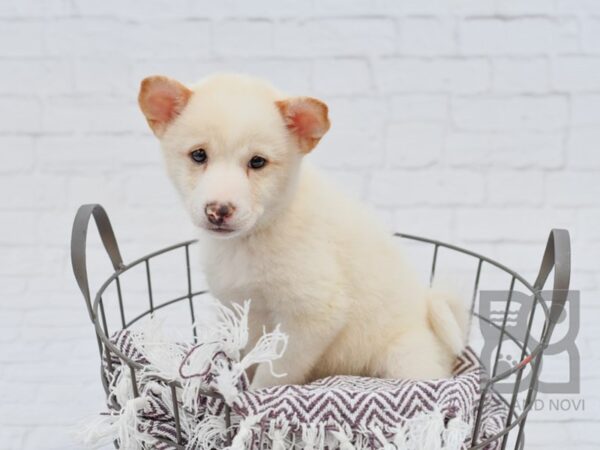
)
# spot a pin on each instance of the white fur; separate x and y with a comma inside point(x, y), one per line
point(309, 258)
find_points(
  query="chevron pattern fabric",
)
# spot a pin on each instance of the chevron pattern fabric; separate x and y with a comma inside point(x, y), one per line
point(358, 412)
point(363, 404)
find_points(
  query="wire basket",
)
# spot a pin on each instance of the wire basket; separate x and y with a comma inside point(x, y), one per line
point(524, 346)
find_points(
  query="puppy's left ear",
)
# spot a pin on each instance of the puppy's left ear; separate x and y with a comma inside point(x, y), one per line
point(306, 118)
point(161, 99)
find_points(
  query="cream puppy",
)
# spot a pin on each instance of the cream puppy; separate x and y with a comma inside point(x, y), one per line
point(275, 231)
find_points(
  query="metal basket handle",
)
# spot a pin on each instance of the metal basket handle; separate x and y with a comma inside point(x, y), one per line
point(78, 246)
point(557, 256)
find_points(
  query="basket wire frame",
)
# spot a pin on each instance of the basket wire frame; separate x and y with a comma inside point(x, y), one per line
point(556, 259)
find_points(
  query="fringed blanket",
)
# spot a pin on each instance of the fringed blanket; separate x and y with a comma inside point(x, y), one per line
point(334, 413)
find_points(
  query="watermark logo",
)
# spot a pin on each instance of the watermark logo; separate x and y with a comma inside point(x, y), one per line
point(505, 324)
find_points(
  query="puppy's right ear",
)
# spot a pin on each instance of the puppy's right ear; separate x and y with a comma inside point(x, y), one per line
point(161, 99)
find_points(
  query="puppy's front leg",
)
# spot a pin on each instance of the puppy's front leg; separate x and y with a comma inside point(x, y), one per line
point(309, 337)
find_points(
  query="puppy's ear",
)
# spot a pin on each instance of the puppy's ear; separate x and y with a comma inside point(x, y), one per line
point(161, 99)
point(306, 118)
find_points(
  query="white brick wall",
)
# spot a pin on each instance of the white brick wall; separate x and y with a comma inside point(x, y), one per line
point(475, 121)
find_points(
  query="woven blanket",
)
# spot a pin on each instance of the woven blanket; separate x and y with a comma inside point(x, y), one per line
point(338, 412)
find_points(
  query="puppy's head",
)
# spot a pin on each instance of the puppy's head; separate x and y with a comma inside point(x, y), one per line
point(232, 145)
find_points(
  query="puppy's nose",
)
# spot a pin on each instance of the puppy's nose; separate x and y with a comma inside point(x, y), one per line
point(218, 212)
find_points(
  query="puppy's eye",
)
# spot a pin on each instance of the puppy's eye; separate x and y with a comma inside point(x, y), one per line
point(257, 162)
point(199, 156)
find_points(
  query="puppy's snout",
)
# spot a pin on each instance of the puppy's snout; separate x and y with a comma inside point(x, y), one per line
point(217, 213)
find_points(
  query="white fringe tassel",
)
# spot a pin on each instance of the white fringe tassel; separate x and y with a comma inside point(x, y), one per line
point(270, 347)
point(162, 352)
point(209, 433)
point(244, 434)
point(231, 330)
point(455, 434)
point(278, 433)
point(121, 426)
point(344, 438)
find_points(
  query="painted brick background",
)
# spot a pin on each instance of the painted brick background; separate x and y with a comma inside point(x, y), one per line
point(473, 121)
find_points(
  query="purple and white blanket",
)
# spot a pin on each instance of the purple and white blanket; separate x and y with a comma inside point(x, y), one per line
point(338, 412)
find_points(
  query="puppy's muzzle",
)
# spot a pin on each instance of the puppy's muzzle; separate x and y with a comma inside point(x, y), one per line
point(218, 213)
